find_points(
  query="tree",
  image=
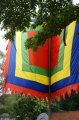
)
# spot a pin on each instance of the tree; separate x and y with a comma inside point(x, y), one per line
point(52, 15)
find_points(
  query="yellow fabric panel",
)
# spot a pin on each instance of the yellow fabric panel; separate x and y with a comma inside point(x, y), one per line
point(67, 56)
point(40, 78)
point(22, 74)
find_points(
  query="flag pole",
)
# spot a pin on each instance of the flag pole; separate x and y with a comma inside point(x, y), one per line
point(49, 74)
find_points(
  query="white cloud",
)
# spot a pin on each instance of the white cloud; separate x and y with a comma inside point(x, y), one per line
point(2, 41)
point(75, 1)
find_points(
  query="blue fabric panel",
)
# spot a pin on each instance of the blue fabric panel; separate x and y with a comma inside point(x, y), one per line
point(74, 66)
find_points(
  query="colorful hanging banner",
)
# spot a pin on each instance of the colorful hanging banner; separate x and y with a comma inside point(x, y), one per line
point(27, 71)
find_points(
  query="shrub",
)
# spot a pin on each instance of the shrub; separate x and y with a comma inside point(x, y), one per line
point(70, 103)
point(29, 108)
point(23, 108)
point(7, 104)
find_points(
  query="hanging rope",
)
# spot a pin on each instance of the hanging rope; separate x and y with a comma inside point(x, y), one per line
point(64, 37)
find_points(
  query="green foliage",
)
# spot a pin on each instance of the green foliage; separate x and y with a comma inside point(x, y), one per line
point(2, 102)
point(70, 103)
point(16, 13)
point(53, 15)
point(23, 108)
point(7, 104)
point(35, 41)
point(9, 35)
point(55, 106)
point(1, 54)
point(29, 108)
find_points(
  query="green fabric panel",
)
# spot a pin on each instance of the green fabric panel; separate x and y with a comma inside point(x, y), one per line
point(36, 69)
point(25, 60)
point(61, 55)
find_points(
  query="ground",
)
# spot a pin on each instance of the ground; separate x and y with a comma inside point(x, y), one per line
point(65, 116)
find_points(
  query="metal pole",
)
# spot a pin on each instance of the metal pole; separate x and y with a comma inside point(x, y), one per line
point(49, 72)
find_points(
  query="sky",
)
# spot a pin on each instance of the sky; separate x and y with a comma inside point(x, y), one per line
point(2, 41)
point(75, 1)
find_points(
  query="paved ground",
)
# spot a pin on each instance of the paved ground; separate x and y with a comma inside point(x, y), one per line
point(65, 116)
point(60, 116)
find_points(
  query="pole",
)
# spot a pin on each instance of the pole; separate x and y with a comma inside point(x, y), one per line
point(49, 72)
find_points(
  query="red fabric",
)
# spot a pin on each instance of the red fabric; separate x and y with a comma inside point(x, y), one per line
point(26, 91)
point(5, 57)
point(31, 33)
point(55, 50)
point(40, 57)
point(63, 91)
point(5, 72)
point(7, 60)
